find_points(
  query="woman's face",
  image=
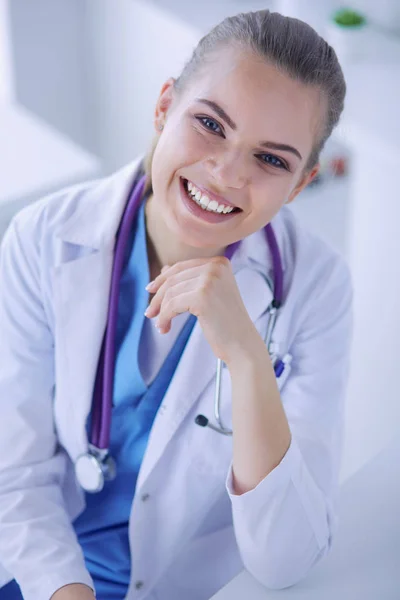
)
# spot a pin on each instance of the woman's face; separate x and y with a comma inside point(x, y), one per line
point(241, 134)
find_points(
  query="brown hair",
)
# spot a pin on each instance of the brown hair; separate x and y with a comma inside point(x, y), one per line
point(292, 46)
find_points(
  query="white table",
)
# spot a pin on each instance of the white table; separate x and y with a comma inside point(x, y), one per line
point(35, 159)
point(364, 563)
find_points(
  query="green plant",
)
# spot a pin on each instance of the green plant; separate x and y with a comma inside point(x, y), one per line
point(348, 18)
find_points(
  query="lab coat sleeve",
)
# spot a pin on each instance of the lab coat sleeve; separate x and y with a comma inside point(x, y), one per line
point(38, 546)
point(285, 525)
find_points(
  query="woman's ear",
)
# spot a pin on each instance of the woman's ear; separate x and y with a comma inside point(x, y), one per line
point(304, 181)
point(164, 103)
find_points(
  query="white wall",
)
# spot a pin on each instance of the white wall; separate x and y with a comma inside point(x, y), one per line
point(35, 160)
point(133, 47)
point(6, 72)
point(42, 69)
point(373, 408)
point(50, 63)
point(315, 12)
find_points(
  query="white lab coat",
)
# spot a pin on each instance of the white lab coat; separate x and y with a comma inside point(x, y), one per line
point(189, 533)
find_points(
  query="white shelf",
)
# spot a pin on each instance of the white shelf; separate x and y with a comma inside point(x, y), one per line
point(35, 160)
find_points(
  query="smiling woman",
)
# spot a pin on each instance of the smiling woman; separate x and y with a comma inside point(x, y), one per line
point(195, 244)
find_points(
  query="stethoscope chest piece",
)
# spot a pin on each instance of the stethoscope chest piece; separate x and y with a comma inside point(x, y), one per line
point(93, 469)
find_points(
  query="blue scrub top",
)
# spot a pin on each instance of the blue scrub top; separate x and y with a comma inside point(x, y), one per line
point(102, 528)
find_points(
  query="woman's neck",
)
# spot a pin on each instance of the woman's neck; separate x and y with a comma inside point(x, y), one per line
point(163, 247)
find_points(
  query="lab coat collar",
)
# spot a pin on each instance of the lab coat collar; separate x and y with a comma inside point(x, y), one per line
point(94, 222)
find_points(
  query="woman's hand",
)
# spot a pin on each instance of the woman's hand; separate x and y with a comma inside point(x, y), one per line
point(206, 288)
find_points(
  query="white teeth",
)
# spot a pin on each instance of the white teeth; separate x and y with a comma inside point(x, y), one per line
point(204, 201)
point(213, 206)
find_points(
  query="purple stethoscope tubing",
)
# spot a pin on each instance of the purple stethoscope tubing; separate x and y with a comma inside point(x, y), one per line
point(102, 404)
point(103, 394)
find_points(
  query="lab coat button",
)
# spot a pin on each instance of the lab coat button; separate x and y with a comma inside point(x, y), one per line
point(145, 497)
point(139, 585)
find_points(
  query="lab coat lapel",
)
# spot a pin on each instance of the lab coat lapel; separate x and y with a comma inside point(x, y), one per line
point(197, 367)
point(81, 294)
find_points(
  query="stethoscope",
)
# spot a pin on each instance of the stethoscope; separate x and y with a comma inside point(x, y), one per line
point(96, 466)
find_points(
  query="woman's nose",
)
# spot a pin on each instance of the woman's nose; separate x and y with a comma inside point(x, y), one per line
point(228, 170)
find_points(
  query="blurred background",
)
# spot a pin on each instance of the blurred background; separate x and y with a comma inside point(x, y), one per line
point(78, 84)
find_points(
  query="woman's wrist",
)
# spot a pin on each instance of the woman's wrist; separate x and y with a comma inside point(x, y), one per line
point(74, 591)
point(248, 353)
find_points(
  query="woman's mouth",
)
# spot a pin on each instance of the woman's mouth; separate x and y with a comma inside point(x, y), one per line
point(201, 205)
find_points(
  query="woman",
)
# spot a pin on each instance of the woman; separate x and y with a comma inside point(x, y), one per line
point(238, 136)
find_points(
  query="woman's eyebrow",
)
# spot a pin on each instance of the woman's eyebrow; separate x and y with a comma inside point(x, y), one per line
point(223, 115)
point(283, 147)
point(219, 110)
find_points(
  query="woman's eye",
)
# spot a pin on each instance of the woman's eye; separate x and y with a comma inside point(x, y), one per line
point(274, 161)
point(210, 124)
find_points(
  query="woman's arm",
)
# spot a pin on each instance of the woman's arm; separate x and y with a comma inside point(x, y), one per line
point(38, 545)
point(261, 433)
point(286, 446)
point(285, 520)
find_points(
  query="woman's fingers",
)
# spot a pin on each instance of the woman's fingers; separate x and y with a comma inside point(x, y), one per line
point(180, 267)
point(179, 302)
point(170, 281)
